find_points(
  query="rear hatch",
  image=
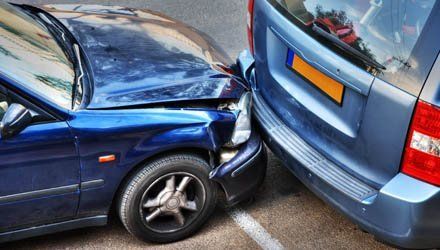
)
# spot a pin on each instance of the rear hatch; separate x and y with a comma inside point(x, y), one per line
point(345, 75)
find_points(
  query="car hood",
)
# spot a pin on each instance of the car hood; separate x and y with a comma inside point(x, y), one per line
point(140, 57)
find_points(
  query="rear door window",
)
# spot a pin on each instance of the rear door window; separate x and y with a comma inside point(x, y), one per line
point(385, 31)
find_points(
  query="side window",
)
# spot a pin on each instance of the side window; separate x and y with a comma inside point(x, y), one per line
point(8, 97)
point(3, 105)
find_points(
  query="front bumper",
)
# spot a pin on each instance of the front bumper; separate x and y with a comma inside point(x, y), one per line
point(244, 173)
point(405, 212)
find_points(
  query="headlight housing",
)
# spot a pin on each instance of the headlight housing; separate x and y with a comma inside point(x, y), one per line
point(243, 126)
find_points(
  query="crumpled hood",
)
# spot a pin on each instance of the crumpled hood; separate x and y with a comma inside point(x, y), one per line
point(141, 57)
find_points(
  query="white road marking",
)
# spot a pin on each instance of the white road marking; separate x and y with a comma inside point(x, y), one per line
point(254, 229)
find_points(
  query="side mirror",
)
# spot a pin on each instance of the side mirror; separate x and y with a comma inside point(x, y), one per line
point(15, 120)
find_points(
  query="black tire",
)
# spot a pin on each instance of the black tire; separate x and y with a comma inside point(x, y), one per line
point(132, 214)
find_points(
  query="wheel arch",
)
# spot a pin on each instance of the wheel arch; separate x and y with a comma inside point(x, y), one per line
point(204, 153)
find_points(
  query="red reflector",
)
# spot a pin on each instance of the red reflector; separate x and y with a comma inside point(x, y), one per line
point(250, 25)
point(421, 158)
point(107, 158)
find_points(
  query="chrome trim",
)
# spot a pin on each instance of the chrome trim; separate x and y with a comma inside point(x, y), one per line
point(39, 193)
point(92, 184)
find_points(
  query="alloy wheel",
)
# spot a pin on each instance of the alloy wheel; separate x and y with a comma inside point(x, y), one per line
point(172, 202)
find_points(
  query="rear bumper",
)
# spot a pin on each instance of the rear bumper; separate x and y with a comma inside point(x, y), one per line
point(244, 173)
point(405, 212)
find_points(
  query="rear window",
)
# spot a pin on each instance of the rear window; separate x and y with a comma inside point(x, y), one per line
point(385, 31)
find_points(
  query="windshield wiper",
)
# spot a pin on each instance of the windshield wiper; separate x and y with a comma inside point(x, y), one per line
point(55, 26)
point(79, 74)
point(318, 30)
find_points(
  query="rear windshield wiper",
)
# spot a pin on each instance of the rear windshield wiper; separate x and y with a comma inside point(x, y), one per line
point(318, 30)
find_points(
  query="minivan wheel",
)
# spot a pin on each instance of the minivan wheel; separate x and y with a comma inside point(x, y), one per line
point(168, 199)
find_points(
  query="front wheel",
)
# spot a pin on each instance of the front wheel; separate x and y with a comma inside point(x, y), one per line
point(168, 199)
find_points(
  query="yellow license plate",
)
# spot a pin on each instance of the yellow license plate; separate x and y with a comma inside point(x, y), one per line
point(330, 87)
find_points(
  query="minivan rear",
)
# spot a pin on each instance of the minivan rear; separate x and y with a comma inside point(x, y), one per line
point(340, 96)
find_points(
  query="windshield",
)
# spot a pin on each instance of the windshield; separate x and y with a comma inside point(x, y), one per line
point(384, 31)
point(32, 57)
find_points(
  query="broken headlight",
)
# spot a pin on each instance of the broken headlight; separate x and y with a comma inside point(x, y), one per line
point(242, 129)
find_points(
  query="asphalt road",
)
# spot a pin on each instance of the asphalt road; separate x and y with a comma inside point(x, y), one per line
point(284, 211)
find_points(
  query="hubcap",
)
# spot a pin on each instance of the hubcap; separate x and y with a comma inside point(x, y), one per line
point(167, 207)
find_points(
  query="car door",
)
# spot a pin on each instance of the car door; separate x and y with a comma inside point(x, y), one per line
point(39, 170)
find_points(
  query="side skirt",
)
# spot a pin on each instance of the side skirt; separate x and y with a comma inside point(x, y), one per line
point(99, 220)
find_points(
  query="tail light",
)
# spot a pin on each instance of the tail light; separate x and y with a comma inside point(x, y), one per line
point(421, 159)
point(250, 25)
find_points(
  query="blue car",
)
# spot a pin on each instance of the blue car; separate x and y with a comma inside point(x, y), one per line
point(110, 107)
point(347, 95)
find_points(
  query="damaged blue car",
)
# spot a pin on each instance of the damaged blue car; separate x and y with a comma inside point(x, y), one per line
point(107, 107)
